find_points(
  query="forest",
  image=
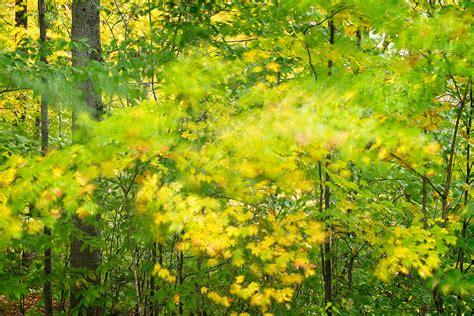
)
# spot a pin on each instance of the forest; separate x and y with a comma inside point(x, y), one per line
point(280, 157)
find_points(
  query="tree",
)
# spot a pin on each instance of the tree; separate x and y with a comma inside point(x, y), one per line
point(85, 35)
point(47, 287)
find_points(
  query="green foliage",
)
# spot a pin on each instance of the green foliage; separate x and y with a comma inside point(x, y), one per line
point(235, 172)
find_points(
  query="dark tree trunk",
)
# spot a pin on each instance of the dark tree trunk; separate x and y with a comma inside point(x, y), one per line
point(44, 104)
point(86, 259)
point(327, 266)
point(47, 288)
point(327, 253)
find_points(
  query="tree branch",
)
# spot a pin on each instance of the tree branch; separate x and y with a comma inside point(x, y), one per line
point(417, 173)
point(325, 19)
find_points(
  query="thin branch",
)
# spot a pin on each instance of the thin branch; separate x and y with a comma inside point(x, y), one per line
point(325, 19)
point(417, 173)
point(13, 90)
point(242, 40)
point(310, 62)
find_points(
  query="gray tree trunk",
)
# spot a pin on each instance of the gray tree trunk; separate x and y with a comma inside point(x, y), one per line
point(86, 27)
point(85, 260)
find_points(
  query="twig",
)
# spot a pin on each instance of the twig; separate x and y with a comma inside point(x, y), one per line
point(417, 173)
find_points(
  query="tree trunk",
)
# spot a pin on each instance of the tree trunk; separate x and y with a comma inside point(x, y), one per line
point(327, 203)
point(47, 288)
point(86, 28)
point(327, 253)
point(87, 262)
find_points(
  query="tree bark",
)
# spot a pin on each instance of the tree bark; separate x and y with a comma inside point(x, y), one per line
point(327, 252)
point(85, 35)
point(87, 262)
point(327, 203)
point(47, 287)
point(424, 194)
point(86, 27)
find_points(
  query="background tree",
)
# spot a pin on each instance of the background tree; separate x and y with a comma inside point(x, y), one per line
point(85, 36)
point(47, 287)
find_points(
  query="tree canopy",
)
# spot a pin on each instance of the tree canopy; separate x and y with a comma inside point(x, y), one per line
point(250, 158)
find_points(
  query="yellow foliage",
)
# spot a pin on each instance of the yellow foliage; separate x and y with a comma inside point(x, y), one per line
point(7, 177)
point(34, 226)
point(82, 212)
point(239, 279)
point(432, 149)
point(292, 278)
point(176, 298)
point(164, 274)
point(221, 300)
point(273, 66)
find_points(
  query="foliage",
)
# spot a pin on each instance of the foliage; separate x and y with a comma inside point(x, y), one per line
point(245, 161)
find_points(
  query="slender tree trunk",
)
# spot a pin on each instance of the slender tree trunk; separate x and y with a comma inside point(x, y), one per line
point(179, 278)
point(327, 252)
point(331, 41)
point(21, 21)
point(152, 281)
point(437, 298)
point(350, 267)
point(465, 224)
point(137, 281)
point(449, 168)
point(44, 104)
point(324, 203)
point(47, 288)
point(467, 179)
point(86, 27)
point(424, 194)
point(327, 203)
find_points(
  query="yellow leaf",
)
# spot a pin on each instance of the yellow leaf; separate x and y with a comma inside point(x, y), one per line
point(432, 149)
point(382, 154)
point(35, 226)
point(424, 272)
point(7, 177)
point(273, 66)
point(292, 278)
point(239, 279)
point(81, 178)
point(176, 298)
point(350, 30)
point(402, 252)
point(271, 78)
point(189, 135)
point(82, 212)
point(238, 262)
point(251, 55)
